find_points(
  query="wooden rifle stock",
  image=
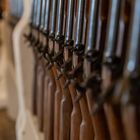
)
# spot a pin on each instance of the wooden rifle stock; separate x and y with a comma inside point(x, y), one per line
point(66, 109)
point(98, 120)
point(76, 112)
point(85, 125)
point(112, 111)
point(65, 100)
point(40, 93)
point(57, 98)
point(49, 103)
point(130, 99)
point(75, 95)
point(58, 91)
point(51, 88)
point(86, 128)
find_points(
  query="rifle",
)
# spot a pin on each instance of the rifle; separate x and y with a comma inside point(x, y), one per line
point(66, 103)
point(49, 85)
point(69, 38)
point(114, 57)
point(75, 73)
point(130, 89)
point(54, 94)
point(66, 66)
point(76, 116)
point(58, 93)
point(40, 65)
point(92, 64)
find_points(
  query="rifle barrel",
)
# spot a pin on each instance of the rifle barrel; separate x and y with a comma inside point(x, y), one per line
point(91, 33)
point(112, 28)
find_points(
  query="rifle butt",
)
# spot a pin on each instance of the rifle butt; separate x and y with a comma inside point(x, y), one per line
point(98, 120)
point(131, 122)
point(86, 127)
point(40, 94)
point(114, 121)
point(57, 104)
point(65, 116)
point(76, 117)
point(49, 103)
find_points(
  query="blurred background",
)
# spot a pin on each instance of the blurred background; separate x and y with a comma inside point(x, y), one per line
point(7, 121)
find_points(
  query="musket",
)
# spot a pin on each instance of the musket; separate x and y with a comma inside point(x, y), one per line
point(76, 117)
point(65, 103)
point(50, 85)
point(39, 65)
point(130, 90)
point(58, 92)
point(92, 63)
point(77, 71)
point(52, 126)
point(115, 51)
point(68, 45)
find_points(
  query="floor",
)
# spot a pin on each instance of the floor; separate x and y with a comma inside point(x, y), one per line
point(7, 127)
